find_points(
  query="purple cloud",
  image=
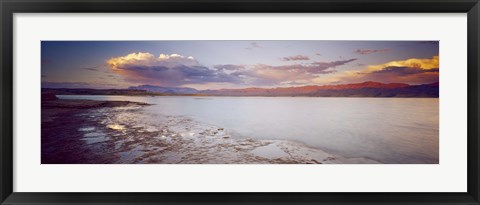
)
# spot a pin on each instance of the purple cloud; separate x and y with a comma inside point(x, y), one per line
point(94, 68)
point(296, 58)
point(369, 51)
point(228, 67)
point(262, 74)
point(321, 66)
point(403, 71)
point(177, 70)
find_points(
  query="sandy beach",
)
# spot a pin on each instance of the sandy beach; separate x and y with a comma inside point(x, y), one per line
point(118, 132)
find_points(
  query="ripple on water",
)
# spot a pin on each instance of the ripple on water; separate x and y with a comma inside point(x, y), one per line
point(131, 155)
point(94, 137)
point(151, 129)
point(86, 129)
point(116, 127)
point(93, 134)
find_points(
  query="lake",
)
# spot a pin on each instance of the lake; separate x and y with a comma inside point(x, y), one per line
point(389, 130)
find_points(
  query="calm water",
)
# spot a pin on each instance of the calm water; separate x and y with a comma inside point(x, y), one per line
point(390, 130)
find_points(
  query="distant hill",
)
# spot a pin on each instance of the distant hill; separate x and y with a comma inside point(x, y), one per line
point(165, 90)
point(89, 91)
point(425, 91)
point(365, 89)
point(303, 90)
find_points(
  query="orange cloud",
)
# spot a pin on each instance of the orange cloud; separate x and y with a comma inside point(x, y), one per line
point(141, 59)
point(410, 71)
point(424, 63)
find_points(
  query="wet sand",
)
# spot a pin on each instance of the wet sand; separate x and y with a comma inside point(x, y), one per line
point(121, 132)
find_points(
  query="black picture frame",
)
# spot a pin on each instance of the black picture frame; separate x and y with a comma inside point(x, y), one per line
point(9, 7)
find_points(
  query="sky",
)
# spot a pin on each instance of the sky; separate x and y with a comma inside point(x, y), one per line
point(204, 65)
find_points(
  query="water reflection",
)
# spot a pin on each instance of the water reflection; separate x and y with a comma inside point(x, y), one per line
point(390, 130)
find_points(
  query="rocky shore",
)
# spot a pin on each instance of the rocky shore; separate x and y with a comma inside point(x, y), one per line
point(119, 132)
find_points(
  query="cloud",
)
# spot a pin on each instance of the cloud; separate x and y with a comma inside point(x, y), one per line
point(148, 60)
point(253, 45)
point(409, 75)
point(296, 58)
point(402, 71)
point(228, 67)
point(178, 70)
point(94, 68)
point(295, 82)
point(410, 71)
point(267, 75)
point(318, 54)
point(332, 64)
point(368, 51)
point(168, 70)
point(424, 63)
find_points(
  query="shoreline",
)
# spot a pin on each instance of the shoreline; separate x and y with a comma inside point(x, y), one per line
point(266, 96)
point(363, 89)
point(87, 104)
point(119, 132)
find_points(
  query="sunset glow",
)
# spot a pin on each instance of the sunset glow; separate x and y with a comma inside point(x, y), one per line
point(236, 64)
point(240, 102)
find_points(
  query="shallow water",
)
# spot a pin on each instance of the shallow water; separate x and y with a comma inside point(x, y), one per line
point(389, 130)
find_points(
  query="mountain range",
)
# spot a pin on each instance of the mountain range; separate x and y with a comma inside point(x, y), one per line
point(165, 90)
point(365, 89)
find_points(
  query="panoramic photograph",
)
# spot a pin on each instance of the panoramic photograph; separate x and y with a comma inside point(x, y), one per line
point(240, 102)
